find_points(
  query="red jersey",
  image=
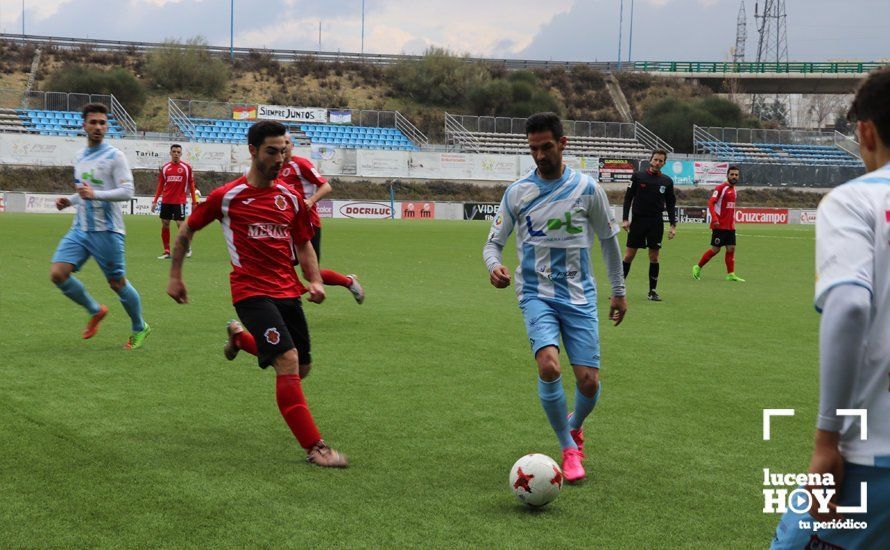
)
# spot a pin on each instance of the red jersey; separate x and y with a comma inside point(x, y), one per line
point(300, 174)
point(721, 205)
point(260, 226)
point(175, 181)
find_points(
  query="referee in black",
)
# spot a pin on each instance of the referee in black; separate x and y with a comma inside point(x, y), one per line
point(650, 192)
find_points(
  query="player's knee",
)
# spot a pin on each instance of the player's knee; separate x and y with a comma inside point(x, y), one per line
point(589, 385)
point(287, 363)
point(117, 284)
point(629, 255)
point(549, 368)
point(58, 275)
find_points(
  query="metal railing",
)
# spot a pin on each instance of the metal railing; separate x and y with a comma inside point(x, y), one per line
point(410, 130)
point(456, 134)
point(847, 143)
point(516, 125)
point(699, 137)
point(648, 138)
point(797, 68)
point(179, 121)
point(511, 64)
point(760, 135)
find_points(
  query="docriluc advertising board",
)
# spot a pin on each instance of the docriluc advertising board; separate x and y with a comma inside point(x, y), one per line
point(368, 210)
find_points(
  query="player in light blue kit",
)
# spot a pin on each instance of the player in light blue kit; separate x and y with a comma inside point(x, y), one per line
point(103, 180)
point(557, 212)
point(853, 295)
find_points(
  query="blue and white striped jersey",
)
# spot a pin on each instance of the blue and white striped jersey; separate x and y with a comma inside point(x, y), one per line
point(555, 223)
point(853, 248)
point(106, 170)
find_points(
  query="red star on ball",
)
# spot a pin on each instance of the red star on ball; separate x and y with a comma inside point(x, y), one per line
point(522, 480)
point(557, 477)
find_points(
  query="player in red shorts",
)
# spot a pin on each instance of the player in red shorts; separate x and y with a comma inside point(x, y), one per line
point(721, 205)
point(299, 173)
point(266, 226)
point(176, 181)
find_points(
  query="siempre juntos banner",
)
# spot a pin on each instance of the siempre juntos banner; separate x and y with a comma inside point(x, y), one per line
point(292, 114)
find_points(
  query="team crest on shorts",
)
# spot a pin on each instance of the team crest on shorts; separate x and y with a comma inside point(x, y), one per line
point(272, 336)
point(280, 202)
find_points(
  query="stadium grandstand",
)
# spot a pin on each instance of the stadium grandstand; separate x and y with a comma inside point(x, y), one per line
point(751, 145)
point(504, 135)
point(58, 113)
point(215, 122)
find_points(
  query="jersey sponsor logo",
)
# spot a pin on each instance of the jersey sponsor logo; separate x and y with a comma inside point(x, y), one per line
point(87, 177)
point(268, 231)
point(557, 275)
point(272, 336)
point(555, 224)
point(280, 202)
point(174, 179)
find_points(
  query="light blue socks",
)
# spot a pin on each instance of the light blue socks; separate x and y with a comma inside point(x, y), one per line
point(553, 399)
point(583, 407)
point(133, 305)
point(74, 289)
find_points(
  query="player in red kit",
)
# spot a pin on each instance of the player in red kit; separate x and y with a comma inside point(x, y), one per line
point(176, 181)
point(721, 206)
point(299, 173)
point(266, 227)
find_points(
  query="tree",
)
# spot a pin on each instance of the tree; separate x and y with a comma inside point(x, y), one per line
point(188, 67)
point(86, 80)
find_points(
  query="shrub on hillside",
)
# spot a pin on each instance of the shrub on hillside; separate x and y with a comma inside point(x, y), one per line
point(188, 67)
point(86, 80)
point(518, 95)
point(439, 78)
point(672, 119)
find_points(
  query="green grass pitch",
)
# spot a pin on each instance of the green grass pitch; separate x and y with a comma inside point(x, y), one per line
point(429, 387)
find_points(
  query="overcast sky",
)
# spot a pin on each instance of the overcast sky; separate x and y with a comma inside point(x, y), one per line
point(584, 30)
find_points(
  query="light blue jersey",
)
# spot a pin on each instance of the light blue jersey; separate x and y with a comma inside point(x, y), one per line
point(555, 223)
point(106, 170)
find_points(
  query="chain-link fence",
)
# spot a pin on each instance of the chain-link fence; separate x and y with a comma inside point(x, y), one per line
point(798, 175)
point(759, 135)
point(577, 128)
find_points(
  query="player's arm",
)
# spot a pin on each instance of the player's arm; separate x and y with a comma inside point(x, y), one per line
point(311, 173)
point(191, 188)
point(123, 183)
point(493, 251)
point(670, 202)
point(322, 190)
point(176, 286)
point(845, 264)
point(603, 223)
point(204, 214)
point(302, 233)
point(628, 200)
point(154, 201)
point(712, 210)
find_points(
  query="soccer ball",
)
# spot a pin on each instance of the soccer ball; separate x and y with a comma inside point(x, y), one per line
point(536, 479)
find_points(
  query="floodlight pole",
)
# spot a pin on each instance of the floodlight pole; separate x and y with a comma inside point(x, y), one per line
point(630, 42)
point(23, 18)
point(232, 30)
point(620, 25)
point(363, 27)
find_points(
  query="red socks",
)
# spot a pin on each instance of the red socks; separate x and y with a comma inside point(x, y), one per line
point(295, 411)
point(706, 257)
point(332, 278)
point(165, 237)
point(730, 261)
point(244, 340)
